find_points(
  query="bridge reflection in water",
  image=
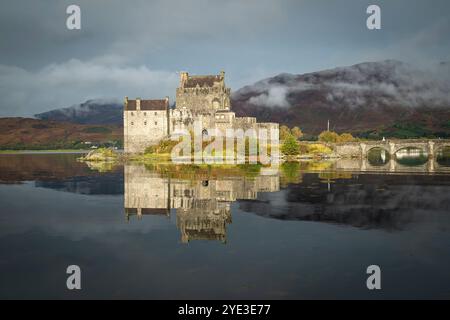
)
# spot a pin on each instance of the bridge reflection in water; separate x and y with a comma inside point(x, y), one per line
point(202, 205)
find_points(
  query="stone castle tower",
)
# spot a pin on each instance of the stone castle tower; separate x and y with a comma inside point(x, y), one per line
point(203, 99)
point(203, 94)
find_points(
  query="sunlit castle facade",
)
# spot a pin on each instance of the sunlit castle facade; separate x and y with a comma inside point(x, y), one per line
point(204, 100)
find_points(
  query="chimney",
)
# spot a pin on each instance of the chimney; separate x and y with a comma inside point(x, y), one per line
point(138, 103)
point(125, 103)
point(167, 102)
point(183, 78)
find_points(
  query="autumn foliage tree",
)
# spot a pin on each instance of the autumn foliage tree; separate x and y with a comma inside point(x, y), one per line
point(297, 132)
point(346, 137)
point(328, 136)
point(290, 146)
point(284, 132)
point(331, 136)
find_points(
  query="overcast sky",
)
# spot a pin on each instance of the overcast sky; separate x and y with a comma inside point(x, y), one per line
point(136, 47)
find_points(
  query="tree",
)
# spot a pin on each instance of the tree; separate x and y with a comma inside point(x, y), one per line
point(328, 136)
point(346, 137)
point(297, 132)
point(284, 132)
point(290, 146)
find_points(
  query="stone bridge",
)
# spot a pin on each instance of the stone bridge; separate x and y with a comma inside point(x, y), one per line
point(361, 149)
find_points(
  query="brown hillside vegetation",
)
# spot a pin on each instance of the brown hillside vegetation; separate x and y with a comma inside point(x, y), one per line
point(27, 133)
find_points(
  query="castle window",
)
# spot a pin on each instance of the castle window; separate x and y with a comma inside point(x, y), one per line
point(132, 113)
point(156, 123)
point(145, 113)
point(132, 123)
point(156, 113)
point(145, 123)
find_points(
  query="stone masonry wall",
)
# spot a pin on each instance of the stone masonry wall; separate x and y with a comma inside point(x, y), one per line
point(143, 128)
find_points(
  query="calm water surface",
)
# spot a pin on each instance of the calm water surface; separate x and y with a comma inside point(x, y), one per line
point(165, 232)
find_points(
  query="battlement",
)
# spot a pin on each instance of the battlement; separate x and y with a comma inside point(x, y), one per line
point(203, 93)
point(201, 81)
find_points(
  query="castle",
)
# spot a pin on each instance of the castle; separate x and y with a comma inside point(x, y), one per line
point(200, 99)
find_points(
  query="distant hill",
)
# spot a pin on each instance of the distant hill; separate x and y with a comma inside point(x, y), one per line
point(388, 98)
point(26, 133)
point(97, 111)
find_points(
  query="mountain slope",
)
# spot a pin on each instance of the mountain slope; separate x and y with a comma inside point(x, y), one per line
point(26, 133)
point(374, 96)
point(97, 111)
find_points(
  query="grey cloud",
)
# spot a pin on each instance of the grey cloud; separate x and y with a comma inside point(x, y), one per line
point(121, 41)
point(57, 85)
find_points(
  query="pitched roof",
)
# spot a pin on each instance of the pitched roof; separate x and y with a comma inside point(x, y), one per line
point(130, 105)
point(153, 104)
point(160, 104)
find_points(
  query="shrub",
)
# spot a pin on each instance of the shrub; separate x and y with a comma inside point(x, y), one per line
point(290, 146)
point(163, 147)
point(318, 148)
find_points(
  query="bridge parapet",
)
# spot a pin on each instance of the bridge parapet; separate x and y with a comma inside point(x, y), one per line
point(392, 146)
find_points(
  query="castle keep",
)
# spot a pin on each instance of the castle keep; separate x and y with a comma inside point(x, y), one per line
point(200, 99)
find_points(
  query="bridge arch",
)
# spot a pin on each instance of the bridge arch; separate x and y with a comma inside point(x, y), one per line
point(378, 156)
point(380, 147)
point(422, 147)
point(441, 146)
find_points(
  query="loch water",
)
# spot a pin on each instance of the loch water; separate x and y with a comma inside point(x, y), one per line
point(155, 231)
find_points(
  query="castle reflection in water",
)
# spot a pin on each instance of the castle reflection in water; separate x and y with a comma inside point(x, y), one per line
point(202, 205)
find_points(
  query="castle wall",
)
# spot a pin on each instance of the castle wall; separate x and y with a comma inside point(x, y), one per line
point(143, 128)
point(203, 99)
point(244, 123)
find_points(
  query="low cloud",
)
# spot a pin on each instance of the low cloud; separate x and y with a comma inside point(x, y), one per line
point(275, 97)
point(25, 93)
point(385, 82)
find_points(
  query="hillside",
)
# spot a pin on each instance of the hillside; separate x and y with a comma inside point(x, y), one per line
point(26, 133)
point(96, 111)
point(388, 98)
